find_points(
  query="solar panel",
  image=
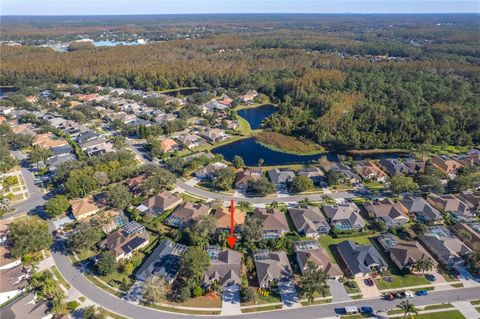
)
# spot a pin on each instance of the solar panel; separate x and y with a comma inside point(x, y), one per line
point(306, 244)
point(261, 254)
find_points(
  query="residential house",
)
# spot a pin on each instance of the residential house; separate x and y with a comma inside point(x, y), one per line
point(227, 101)
point(471, 198)
point(280, 176)
point(223, 217)
point(209, 171)
point(370, 171)
point(213, 106)
point(394, 167)
point(165, 118)
point(468, 233)
point(125, 241)
point(310, 251)
point(164, 261)
point(404, 254)
point(214, 134)
point(350, 176)
point(414, 165)
point(13, 281)
point(359, 260)
point(309, 221)
point(186, 213)
point(83, 207)
point(344, 217)
point(225, 267)
point(448, 203)
point(48, 140)
point(160, 203)
point(446, 164)
point(190, 140)
point(421, 209)
point(97, 145)
point(86, 136)
point(249, 96)
point(271, 267)
point(136, 183)
point(274, 222)
point(26, 307)
point(444, 246)
point(392, 213)
point(54, 161)
point(314, 173)
point(244, 177)
point(167, 145)
point(23, 129)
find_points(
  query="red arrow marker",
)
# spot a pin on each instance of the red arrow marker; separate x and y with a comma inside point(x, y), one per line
point(232, 240)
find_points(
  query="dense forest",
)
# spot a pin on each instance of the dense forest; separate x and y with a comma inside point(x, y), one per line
point(348, 82)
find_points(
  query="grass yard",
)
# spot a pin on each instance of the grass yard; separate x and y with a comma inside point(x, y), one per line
point(475, 302)
point(315, 302)
point(372, 185)
point(190, 198)
point(328, 242)
point(271, 298)
point(188, 312)
point(266, 308)
point(442, 306)
point(60, 278)
point(208, 301)
point(85, 254)
point(459, 285)
point(400, 281)
point(354, 289)
point(452, 314)
point(446, 274)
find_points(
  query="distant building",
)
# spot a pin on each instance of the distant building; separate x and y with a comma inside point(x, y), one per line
point(309, 221)
point(160, 203)
point(274, 222)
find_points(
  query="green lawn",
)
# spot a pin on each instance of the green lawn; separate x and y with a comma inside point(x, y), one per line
point(372, 185)
point(315, 302)
point(475, 302)
point(86, 253)
point(188, 312)
point(271, 298)
point(60, 278)
point(400, 281)
point(352, 290)
point(452, 314)
point(441, 306)
point(190, 198)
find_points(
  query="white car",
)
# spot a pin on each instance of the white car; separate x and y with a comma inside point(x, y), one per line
point(409, 294)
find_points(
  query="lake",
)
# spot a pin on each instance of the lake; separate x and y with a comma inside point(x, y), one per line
point(7, 89)
point(251, 151)
point(256, 115)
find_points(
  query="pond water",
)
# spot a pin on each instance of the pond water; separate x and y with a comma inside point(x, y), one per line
point(251, 151)
point(256, 115)
point(7, 89)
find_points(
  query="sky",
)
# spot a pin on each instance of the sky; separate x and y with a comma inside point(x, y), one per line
point(127, 7)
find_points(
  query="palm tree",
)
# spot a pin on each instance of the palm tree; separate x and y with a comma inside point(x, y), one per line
point(274, 204)
point(304, 202)
point(424, 265)
point(313, 281)
point(407, 307)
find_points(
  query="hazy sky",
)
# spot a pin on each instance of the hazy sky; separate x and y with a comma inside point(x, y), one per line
point(112, 7)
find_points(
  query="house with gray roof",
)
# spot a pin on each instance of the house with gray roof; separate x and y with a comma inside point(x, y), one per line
point(160, 203)
point(344, 217)
point(280, 176)
point(359, 260)
point(186, 213)
point(164, 261)
point(271, 267)
point(421, 209)
point(225, 267)
point(394, 167)
point(448, 249)
point(309, 221)
point(448, 203)
point(26, 308)
point(351, 176)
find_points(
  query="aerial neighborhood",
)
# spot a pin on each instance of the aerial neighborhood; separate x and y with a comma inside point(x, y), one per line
point(226, 168)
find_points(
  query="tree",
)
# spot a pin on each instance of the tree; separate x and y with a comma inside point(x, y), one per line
point(300, 184)
point(223, 179)
point(407, 307)
point(245, 206)
point(202, 230)
point(106, 263)
point(155, 289)
point(119, 196)
point(381, 225)
point(7, 161)
point(313, 281)
point(84, 236)
point(157, 179)
point(29, 235)
point(44, 285)
point(424, 265)
point(57, 205)
point(474, 261)
point(193, 265)
point(401, 183)
point(261, 187)
point(252, 229)
point(238, 162)
point(334, 177)
point(248, 294)
point(39, 154)
point(91, 312)
point(419, 228)
point(80, 182)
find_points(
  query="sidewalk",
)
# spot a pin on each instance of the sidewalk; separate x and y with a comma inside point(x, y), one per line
point(466, 308)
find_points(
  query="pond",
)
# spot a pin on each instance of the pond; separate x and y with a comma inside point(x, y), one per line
point(255, 116)
point(7, 89)
point(251, 151)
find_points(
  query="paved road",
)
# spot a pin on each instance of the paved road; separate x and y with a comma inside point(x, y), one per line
point(124, 308)
point(36, 199)
point(137, 149)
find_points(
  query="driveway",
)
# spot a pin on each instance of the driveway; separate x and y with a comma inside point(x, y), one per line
point(367, 291)
point(135, 293)
point(231, 300)
point(467, 279)
point(337, 290)
point(288, 293)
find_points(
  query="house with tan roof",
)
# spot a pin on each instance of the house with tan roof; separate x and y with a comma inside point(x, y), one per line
point(392, 213)
point(160, 203)
point(186, 213)
point(227, 101)
point(48, 140)
point(310, 251)
point(422, 210)
point(271, 267)
point(167, 145)
point(244, 177)
point(445, 164)
point(83, 207)
point(309, 221)
point(274, 222)
point(223, 217)
point(22, 129)
point(135, 183)
point(344, 217)
point(370, 171)
point(448, 203)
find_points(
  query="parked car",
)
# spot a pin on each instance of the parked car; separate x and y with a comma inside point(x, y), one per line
point(388, 296)
point(422, 293)
point(366, 310)
point(369, 282)
point(430, 277)
point(409, 294)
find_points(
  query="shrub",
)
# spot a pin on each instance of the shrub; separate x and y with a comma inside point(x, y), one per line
point(72, 305)
point(197, 291)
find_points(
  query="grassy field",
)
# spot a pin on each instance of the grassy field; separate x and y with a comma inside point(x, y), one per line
point(288, 144)
point(271, 298)
point(441, 306)
point(188, 312)
point(258, 309)
point(210, 301)
point(402, 281)
point(452, 314)
point(372, 185)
